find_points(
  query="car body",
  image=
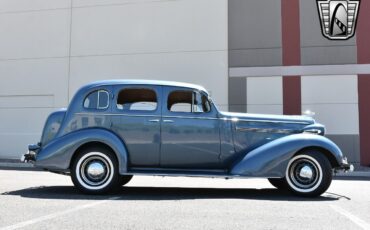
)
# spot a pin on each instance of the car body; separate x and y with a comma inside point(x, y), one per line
point(120, 128)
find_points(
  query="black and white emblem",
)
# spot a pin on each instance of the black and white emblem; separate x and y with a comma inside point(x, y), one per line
point(338, 18)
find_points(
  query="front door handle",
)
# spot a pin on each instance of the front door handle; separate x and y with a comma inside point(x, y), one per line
point(168, 121)
point(154, 120)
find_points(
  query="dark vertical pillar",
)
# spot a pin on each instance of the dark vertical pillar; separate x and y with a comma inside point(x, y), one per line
point(363, 57)
point(238, 94)
point(291, 55)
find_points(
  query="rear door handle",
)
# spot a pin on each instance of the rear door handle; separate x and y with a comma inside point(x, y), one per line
point(154, 120)
point(168, 121)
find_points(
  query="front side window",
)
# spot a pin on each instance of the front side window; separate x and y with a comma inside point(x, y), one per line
point(188, 101)
point(137, 100)
point(98, 99)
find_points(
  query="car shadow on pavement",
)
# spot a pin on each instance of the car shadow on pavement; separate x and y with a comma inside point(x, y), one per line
point(168, 193)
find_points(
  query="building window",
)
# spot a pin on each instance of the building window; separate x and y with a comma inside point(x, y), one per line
point(137, 100)
point(187, 101)
point(98, 99)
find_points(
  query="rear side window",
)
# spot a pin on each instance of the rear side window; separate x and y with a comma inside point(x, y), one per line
point(137, 100)
point(98, 99)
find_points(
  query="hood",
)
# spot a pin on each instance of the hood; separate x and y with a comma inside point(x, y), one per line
point(304, 120)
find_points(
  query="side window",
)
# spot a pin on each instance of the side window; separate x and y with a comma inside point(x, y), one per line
point(187, 101)
point(98, 99)
point(137, 100)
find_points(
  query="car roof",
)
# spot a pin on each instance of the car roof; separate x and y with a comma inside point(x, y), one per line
point(145, 82)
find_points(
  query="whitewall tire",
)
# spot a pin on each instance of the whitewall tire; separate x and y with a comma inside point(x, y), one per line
point(95, 171)
point(309, 173)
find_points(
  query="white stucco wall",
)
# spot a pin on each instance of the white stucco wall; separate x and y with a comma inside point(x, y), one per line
point(51, 48)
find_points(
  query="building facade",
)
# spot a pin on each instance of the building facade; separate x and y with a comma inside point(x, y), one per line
point(279, 62)
point(265, 56)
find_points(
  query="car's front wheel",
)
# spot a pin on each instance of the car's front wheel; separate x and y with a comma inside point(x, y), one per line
point(95, 171)
point(309, 174)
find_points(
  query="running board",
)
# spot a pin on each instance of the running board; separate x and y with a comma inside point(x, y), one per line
point(180, 173)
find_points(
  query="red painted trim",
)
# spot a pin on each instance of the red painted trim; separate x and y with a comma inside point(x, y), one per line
point(292, 95)
point(291, 43)
point(363, 33)
point(363, 57)
point(291, 37)
point(364, 117)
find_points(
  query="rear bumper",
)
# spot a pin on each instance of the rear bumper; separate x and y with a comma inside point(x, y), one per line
point(345, 166)
point(30, 156)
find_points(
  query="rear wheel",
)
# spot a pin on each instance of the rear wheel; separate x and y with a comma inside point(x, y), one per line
point(125, 179)
point(95, 171)
point(309, 174)
point(279, 183)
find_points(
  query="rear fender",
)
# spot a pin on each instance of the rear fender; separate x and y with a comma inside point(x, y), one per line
point(271, 159)
point(57, 155)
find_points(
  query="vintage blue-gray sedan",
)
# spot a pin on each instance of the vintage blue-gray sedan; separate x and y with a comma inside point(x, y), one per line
point(113, 130)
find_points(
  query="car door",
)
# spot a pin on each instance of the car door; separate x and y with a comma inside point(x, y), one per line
point(137, 111)
point(189, 130)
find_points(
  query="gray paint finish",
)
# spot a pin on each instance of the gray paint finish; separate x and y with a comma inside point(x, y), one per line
point(315, 48)
point(255, 57)
point(328, 70)
point(329, 55)
point(252, 43)
point(349, 144)
point(238, 94)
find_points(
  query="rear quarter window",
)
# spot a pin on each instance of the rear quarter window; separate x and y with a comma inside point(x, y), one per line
point(98, 99)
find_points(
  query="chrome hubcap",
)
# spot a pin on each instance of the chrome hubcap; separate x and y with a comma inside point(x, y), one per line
point(95, 170)
point(306, 172)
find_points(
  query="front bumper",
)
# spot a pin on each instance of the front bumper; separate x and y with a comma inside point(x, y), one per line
point(31, 154)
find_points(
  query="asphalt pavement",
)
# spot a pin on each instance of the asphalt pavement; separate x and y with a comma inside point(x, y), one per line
point(42, 200)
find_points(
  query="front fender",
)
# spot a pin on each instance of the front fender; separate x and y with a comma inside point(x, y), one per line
point(57, 154)
point(271, 159)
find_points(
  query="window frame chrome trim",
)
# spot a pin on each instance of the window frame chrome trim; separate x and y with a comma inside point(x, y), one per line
point(108, 99)
point(98, 91)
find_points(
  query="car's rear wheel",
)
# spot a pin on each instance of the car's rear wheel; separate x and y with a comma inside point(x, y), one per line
point(309, 174)
point(279, 183)
point(95, 171)
point(125, 179)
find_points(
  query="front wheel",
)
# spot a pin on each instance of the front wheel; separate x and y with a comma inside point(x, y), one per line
point(309, 174)
point(95, 171)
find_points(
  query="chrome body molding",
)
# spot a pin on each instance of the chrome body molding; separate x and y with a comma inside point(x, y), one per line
point(193, 117)
point(114, 114)
point(267, 121)
point(267, 130)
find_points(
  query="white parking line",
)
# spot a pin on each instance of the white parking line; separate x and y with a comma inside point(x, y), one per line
point(358, 221)
point(57, 214)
